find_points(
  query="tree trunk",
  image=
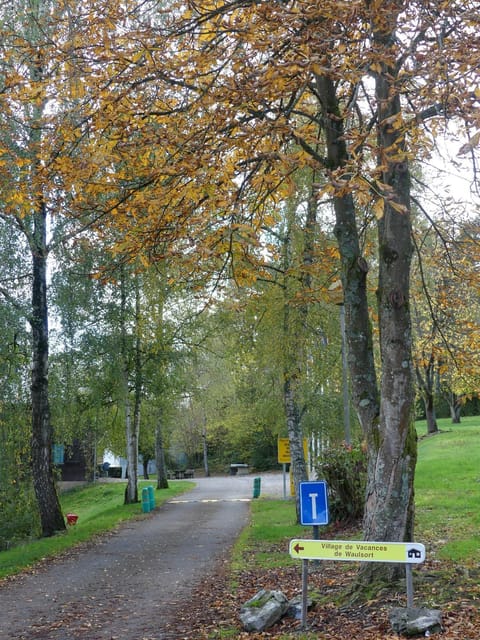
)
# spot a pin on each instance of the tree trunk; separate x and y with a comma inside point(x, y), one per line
point(42, 465)
point(365, 396)
point(295, 437)
point(131, 426)
point(162, 480)
point(388, 426)
point(131, 490)
point(145, 462)
point(51, 517)
point(432, 426)
point(455, 407)
point(425, 381)
point(293, 337)
point(205, 449)
point(389, 510)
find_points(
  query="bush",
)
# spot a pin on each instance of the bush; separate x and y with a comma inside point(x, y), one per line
point(19, 519)
point(344, 469)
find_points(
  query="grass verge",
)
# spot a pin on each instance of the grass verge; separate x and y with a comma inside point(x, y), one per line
point(447, 521)
point(99, 508)
point(447, 490)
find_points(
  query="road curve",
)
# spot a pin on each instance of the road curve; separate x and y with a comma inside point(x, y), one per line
point(126, 584)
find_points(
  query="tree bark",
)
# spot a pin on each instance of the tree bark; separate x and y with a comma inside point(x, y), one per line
point(294, 319)
point(389, 509)
point(387, 424)
point(162, 480)
point(205, 448)
point(425, 382)
point(295, 436)
point(42, 464)
point(131, 426)
point(432, 426)
point(51, 517)
point(365, 395)
point(455, 407)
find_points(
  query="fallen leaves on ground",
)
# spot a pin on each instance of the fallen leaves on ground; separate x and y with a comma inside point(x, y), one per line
point(215, 604)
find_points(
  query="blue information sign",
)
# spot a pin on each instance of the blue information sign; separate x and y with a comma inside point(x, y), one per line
point(313, 503)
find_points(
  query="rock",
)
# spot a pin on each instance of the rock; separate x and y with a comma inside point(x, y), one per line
point(294, 609)
point(263, 610)
point(414, 622)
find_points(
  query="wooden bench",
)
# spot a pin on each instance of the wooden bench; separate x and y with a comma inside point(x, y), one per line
point(238, 469)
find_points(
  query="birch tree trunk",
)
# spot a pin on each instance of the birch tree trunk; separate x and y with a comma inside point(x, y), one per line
point(51, 516)
point(42, 464)
point(297, 283)
point(131, 426)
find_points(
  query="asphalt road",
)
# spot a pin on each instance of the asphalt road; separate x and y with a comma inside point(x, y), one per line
point(130, 583)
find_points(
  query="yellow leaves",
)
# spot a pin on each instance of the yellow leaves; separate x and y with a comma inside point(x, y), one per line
point(397, 206)
point(378, 208)
point(318, 69)
point(470, 145)
point(394, 122)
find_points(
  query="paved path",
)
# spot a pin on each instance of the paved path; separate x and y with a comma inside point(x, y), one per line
point(125, 585)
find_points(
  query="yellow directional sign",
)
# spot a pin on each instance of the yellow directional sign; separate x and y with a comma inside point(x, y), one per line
point(284, 450)
point(351, 550)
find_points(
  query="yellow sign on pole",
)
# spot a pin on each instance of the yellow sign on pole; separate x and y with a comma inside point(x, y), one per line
point(354, 551)
point(284, 450)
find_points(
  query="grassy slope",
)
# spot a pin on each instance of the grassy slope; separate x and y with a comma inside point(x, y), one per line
point(448, 490)
point(99, 508)
point(447, 499)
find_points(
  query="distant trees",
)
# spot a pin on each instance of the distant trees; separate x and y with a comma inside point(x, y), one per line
point(446, 319)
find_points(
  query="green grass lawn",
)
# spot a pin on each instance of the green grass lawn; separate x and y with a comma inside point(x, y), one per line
point(447, 495)
point(99, 508)
point(447, 490)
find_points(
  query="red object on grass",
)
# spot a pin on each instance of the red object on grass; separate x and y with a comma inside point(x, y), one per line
point(72, 518)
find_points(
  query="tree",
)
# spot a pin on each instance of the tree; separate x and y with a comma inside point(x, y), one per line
point(243, 80)
point(46, 182)
point(25, 208)
point(445, 313)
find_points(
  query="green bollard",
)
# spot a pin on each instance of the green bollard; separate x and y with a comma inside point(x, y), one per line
point(145, 500)
point(256, 487)
point(151, 497)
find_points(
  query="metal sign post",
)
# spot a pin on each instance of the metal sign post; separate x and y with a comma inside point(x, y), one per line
point(304, 592)
point(409, 582)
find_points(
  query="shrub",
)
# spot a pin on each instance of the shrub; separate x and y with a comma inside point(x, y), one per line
point(344, 469)
point(19, 518)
